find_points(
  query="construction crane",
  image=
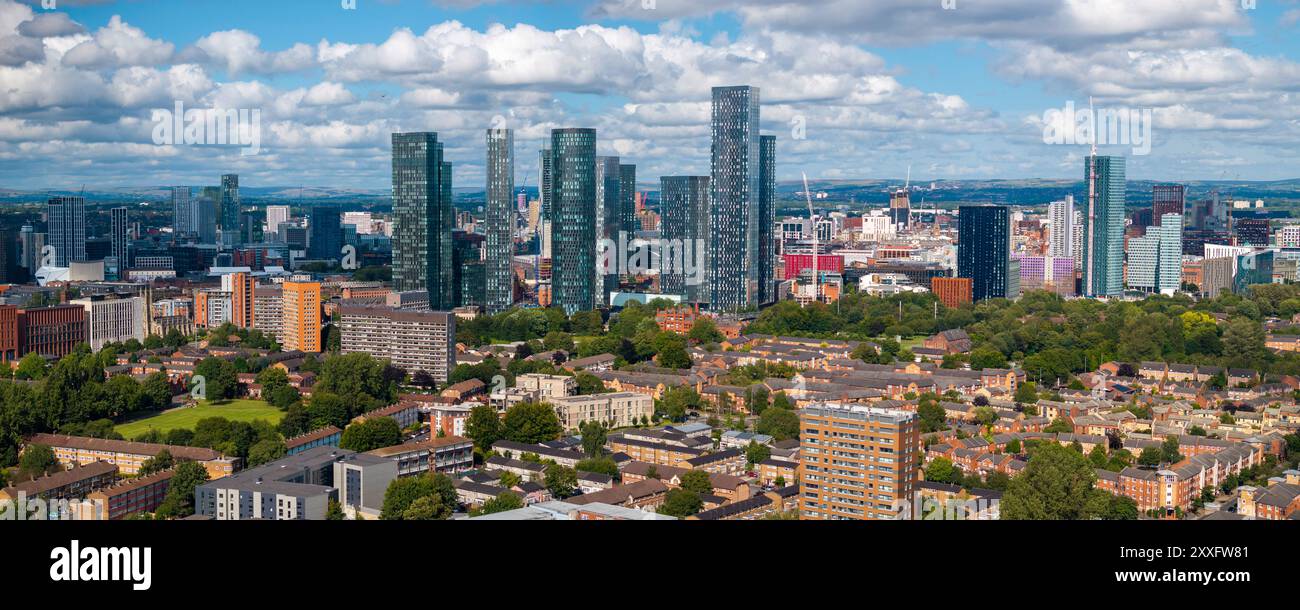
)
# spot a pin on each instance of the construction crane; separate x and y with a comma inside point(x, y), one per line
point(807, 192)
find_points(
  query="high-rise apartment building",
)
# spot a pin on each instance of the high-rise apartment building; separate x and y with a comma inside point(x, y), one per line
point(422, 218)
point(545, 183)
point(608, 200)
point(684, 204)
point(184, 219)
point(1167, 199)
point(232, 233)
point(1252, 231)
point(268, 310)
point(119, 235)
point(208, 214)
point(574, 216)
point(325, 233)
point(767, 220)
point(499, 247)
point(413, 340)
point(243, 289)
point(1103, 247)
point(857, 462)
point(66, 217)
point(984, 252)
point(1061, 233)
point(275, 216)
point(301, 326)
point(734, 186)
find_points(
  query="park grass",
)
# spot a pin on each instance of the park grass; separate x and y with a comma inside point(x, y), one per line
point(187, 417)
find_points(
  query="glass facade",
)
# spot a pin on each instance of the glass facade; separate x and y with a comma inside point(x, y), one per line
point(1103, 227)
point(684, 205)
point(573, 209)
point(500, 225)
point(767, 220)
point(733, 196)
point(984, 251)
point(422, 218)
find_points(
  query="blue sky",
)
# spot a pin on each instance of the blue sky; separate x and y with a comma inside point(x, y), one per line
point(853, 89)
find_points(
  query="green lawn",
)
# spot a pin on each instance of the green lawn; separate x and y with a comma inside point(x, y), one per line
point(235, 410)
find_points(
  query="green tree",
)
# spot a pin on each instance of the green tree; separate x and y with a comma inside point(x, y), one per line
point(756, 453)
point(265, 451)
point(594, 437)
point(220, 379)
point(561, 481)
point(334, 511)
point(698, 482)
point(373, 433)
point(1169, 450)
point(1027, 393)
point(157, 463)
point(1013, 446)
point(37, 461)
point(705, 330)
point(531, 422)
point(179, 501)
point(483, 427)
point(504, 501)
point(780, 424)
point(681, 503)
point(1057, 484)
point(986, 357)
point(1059, 425)
point(32, 366)
point(941, 470)
point(598, 465)
point(588, 384)
point(670, 350)
point(1150, 456)
point(426, 508)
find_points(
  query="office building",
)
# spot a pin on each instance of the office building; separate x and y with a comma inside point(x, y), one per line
point(113, 319)
point(66, 219)
point(361, 480)
point(767, 283)
point(627, 208)
point(301, 317)
point(325, 233)
point(499, 247)
point(296, 487)
point(30, 245)
point(422, 218)
point(734, 186)
point(684, 204)
point(1103, 248)
point(119, 228)
point(413, 340)
point(1251, 231)
point(1155, 260)
point(857, 462)
point(207, 215)
point(984, 252)
point(1061, 215)
point(574, 217)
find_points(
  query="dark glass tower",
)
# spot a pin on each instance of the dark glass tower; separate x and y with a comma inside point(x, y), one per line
point(326, 233)
point(627, 199)
point(545, 180)
point(184, 219)
point(67, 229)
point(684, 205)
point(232, 233)
point(733, 197)
point(422, 218)
point(469, 267)
point(1103, 227)
point(573, 209)
point(767, 220)
point(608, 200)
point(500, 225)
point(1166, 199)
point(119, 231)
point(984, 251)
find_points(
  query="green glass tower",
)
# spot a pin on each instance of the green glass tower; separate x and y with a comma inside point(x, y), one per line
point(573, 210)
point(1103, 227)
point(500, 225)
point(422, 218)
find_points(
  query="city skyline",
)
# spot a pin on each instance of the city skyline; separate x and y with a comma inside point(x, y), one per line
point(849, 98)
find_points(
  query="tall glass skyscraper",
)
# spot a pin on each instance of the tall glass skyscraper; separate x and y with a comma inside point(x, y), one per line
point(232, 233)
point(183, 212)
point(118, 231)
point(545, 180)
point(325, 232)
point(1155, 260)
point(767, 220)
point(422, 218)
point(1061, 241)
point(733, 199)
point(208, 214)
point(984, 252)
point(67, 229)
point(608, 186)
point(573, 210)
point(500, 226)
point(627, 199)
point(684, 205)
point(1103, 227)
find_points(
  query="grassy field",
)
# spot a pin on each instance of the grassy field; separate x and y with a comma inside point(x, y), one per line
point(235, 410)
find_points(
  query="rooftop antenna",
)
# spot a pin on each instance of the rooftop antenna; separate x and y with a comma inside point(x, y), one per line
point(1092, 115)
